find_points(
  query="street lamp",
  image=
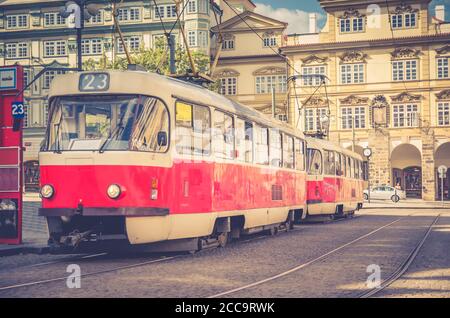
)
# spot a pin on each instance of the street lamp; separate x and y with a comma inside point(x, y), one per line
point(81, 12)
point(367, 152)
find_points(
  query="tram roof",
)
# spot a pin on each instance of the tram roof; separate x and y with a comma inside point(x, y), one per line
point(164, 87)
point(328, 145)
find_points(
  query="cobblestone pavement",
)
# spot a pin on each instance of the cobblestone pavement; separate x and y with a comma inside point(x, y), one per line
point(341, 274)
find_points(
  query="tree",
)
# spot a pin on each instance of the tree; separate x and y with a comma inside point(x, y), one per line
point(154, 60)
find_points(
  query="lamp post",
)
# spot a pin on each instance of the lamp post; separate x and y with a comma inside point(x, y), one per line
point(81, 12)
point(368, 153)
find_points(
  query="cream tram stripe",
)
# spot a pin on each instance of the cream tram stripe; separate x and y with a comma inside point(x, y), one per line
point(303, 265)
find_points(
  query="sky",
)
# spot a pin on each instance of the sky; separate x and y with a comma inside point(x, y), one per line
point(295, 12)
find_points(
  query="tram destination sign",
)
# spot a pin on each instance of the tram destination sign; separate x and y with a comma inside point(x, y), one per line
point(94, 82)
point(8, 79)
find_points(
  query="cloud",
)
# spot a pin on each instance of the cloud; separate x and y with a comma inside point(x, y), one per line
point(298, 20)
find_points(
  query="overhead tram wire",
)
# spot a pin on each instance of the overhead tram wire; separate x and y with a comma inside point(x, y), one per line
point(283, 57)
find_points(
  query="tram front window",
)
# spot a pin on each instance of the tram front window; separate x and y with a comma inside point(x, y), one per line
point(104, 123)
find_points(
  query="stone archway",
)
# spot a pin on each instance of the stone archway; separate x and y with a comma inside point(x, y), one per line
point(406, 164)
point(442, 157)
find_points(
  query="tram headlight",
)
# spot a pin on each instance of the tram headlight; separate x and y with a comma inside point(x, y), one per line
point(114, 191)
point(47, 191)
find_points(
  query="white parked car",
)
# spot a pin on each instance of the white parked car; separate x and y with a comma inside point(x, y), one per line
point(385, 193)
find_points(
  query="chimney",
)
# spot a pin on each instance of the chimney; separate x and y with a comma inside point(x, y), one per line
point(313, 23)
point(440, 12)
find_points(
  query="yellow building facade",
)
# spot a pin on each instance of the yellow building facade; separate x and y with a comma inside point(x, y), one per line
point(249, 69)
point(386, 87)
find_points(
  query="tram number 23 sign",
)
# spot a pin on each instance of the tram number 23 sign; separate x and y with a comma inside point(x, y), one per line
point(17, 110)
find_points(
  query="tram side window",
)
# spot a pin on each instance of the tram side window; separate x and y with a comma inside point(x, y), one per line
point(193, 125)
point(349, 167)
point(153, 119)
point(330, 165)
point(244, 140)
point(314, 161)
point(356, 165)
point(288, 152)
point(339, 169)
point(344, 165)
point(223, 135)
point(299, 154)
point(261, 145)
point(275, 148)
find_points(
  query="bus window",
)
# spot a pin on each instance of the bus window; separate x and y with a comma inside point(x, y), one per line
point(329, 162)
point(299, 154)
point(193, 124)
point(244, 140)
point(223, 135)
point(275, 148)
point(261, 145)
point(314, 161)
point(288, 152)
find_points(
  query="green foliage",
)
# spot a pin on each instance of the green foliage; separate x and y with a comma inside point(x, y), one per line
point(153, 59)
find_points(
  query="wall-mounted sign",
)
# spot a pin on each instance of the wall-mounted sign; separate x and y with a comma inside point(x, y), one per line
point(17, 110)
point(8, 78)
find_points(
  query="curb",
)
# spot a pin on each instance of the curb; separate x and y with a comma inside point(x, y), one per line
point(407, 207)
point(14, 250)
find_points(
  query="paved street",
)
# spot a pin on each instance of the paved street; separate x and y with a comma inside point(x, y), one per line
point(314, 260)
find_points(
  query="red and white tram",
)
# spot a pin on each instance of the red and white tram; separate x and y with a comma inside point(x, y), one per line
point(145, 158)
point(335, 179)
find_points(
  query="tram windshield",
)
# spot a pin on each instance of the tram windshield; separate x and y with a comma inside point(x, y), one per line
point(102, 123)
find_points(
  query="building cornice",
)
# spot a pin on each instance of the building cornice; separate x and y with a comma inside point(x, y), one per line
point(387, 42)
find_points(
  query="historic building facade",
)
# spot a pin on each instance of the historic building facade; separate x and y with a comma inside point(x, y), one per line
point(249, 69)
point(33, 34)
point(386, 87)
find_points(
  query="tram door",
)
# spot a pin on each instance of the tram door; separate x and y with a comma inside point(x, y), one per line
point(11, 114)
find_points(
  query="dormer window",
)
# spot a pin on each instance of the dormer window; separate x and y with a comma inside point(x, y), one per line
point(352, 21)
point(352, 25)
point(404, 17)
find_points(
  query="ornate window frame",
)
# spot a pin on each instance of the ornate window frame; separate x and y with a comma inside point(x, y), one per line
point(352, 15)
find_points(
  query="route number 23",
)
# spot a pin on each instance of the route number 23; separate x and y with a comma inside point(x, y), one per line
point(18, 110)
point(94, 82)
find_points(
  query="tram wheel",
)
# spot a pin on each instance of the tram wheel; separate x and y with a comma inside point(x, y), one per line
point(223, 239)
point(273, 231)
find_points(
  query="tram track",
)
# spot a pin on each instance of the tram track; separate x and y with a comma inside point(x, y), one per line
point(403, 268)
point(310, 262)
point(72, 260)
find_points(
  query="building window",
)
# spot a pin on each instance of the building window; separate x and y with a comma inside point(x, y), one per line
point(49, 76)
point(133, 44)
point(203, 6)
point(18, 21)
point(91, 46)
point(352, 73)
point(228, 44)
point(203, 39)
point(312, 118)
point(353, 114)
point(96, 19)
point(404, 70)
point(26, 78)
point(192, 6)
point(310, 75)
point(192, 38)
point(405, 115)
point(228, 86)
point(269, 41)
point(16, 50)
point(442, 67)
point(405, 20)
point(444, 114)
point(54, 48)
point(129, 14)
point(282, 117)
point(53, 19)
point(25, 115)
point(264, 84)
point(165, 12)
point(352, 25)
